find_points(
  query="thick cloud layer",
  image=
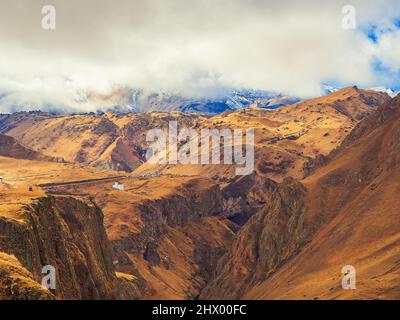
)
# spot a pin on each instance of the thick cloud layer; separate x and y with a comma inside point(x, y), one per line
point(195, 47)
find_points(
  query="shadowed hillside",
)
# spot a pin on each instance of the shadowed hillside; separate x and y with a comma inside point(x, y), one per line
point(345, 213)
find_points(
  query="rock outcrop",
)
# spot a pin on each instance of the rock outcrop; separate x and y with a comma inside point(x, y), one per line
point(68, 234)
point(264, 243)
point(247, 195)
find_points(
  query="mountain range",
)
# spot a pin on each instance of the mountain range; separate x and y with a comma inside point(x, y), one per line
point(123, 99)
point(322, 196)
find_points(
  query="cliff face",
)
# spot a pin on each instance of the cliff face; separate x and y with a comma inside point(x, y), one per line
point(247, 195)
point(68, 234)
point(168, 233)
point(265, 242)
point(172, 254)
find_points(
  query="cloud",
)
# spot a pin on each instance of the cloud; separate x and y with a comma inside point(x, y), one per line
point(195, 47)
point(387, 49)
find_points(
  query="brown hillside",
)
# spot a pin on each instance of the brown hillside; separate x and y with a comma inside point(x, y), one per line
point(346, 213)
point(112, 141)
point(287, 139)
point(9, 147)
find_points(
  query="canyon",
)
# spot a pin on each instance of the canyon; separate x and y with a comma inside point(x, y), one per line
point(322, 196)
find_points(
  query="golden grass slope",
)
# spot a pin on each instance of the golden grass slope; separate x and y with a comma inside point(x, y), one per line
point(348, 215)
point(16, 283)
point(288, 138)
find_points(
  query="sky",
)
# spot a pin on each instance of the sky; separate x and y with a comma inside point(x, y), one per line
point(193, 47)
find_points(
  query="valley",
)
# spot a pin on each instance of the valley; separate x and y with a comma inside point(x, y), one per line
point(322, 196)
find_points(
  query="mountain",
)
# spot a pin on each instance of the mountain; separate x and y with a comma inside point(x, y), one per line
point(389, 91)
point(239, 99)
point(288, 139)
point(151, 240)
point(111, 140)
point(136, 100)
point(322, 196)
point(9, 147)
point(330, 89)
point(343, 214)
point(127, 100)
point(122, 99)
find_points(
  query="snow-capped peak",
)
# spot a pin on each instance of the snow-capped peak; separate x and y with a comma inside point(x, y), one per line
point(328, 88)
point(389, 91)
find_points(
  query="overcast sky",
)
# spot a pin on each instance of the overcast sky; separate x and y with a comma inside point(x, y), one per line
point(195, 47)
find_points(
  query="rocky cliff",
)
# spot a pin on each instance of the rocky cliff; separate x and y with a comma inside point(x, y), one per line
point(265, 242)
point(67, 233)
point(173, 239)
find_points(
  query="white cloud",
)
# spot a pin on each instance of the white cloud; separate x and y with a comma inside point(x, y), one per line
point(195, 47)
point(388, 50)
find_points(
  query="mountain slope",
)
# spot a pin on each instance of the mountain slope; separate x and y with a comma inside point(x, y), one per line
point(63, 231)
point(345, 213)
point(16, 283)
point(168, 232)
point(111, 141)
point(288, 139)
point(9, 147)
